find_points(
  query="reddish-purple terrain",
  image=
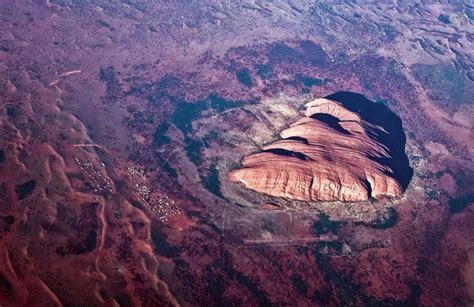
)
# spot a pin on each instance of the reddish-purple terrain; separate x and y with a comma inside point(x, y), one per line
point(120, 122)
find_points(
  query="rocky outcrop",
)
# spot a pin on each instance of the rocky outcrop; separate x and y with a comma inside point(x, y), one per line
point(339, 151)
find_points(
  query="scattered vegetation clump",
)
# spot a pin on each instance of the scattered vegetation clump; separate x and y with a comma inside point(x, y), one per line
point(188, 111)
point(6, 288)
point(234, 166)
point(193, 149)
point(167, 168)
point(9, 219)
point(300, 284)
point(281, 52)
point(25, 189)
point(212, 182)
point(384, 221)
point(109, 77)
point(457, 205)
point(444, 18)
point(160, 138)
point(185, 113)
point(431, 193)
point(324, 225)
point(12, 112)
point(264, 71)
point(220, 104)
point(309, 81)
point(243, 75)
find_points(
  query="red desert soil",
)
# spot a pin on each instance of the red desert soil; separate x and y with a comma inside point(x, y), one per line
point(331, 154)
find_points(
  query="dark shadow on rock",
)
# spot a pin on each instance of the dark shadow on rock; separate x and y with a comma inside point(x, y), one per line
point(298, 139)
point(331, 121)
point(394, 138)
point(287, 153)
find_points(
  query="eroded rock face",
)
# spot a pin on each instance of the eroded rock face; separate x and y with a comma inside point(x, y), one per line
point(346, 148)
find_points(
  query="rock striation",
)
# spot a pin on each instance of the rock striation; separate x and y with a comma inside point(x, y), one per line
point(346, 148)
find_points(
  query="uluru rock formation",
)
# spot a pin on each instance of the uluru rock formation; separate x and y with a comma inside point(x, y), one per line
point(346, 148)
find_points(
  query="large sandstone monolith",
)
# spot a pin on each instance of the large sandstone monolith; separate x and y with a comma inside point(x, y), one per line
point(333, 153)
